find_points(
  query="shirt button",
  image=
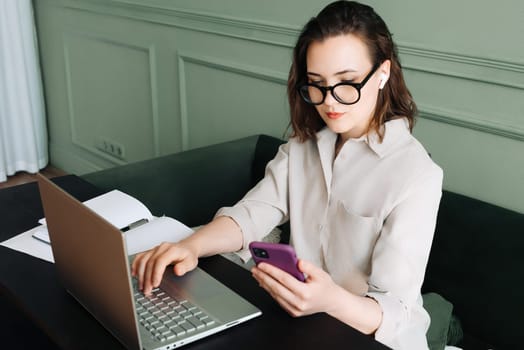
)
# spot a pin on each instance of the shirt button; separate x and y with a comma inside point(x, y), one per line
point(320, 227)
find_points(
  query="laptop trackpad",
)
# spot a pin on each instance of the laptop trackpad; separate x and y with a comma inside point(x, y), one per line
point(193, 284)
point(207, 293)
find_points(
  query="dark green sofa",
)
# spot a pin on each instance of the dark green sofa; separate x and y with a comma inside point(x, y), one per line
point(477, 259)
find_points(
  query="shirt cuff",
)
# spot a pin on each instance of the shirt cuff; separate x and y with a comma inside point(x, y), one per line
point(393, 310)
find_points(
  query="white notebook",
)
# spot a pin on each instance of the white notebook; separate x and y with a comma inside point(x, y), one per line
point(143, 231)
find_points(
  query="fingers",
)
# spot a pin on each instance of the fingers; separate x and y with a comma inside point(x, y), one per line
point(296, 297)
point(283, 278)
point(283, 287)
point(184, 266)
point(155, 267)
point(282, 295)
point(310, 270)
point(274, 278)
point(144, 269)
point(149, 266)
point(305, 266)
point(138, 267)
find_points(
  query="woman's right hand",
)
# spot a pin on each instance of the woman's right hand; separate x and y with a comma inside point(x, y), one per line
point(219, 236)
point(148, 267)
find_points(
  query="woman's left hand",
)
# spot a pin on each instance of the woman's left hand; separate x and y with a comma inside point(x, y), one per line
point(298, 298)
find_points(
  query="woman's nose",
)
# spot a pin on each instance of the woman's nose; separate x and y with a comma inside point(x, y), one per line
point(330, 100)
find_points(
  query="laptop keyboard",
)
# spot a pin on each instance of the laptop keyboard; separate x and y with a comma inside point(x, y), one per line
point(168, 318)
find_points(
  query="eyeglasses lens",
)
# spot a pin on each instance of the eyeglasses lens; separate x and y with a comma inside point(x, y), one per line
point(346, 93)
point(343, 93)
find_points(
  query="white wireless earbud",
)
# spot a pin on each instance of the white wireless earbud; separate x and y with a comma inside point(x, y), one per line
point(383, 80)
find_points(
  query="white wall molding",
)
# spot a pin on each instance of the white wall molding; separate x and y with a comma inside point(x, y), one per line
point(473, 60)
point(69, 35)
point(481, 69)
point(471, 122)
point(476, 68)
point(472, 68)
point(71, 107)
point(229, 66)
point(185, 57)
point(182, 92)
point(258, 31)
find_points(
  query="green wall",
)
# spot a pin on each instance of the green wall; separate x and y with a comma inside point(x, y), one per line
point(153, 77)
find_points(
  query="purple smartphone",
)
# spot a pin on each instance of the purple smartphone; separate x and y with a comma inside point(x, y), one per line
point(280, 255)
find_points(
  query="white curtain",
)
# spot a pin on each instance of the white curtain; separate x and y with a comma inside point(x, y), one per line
point(23, 135)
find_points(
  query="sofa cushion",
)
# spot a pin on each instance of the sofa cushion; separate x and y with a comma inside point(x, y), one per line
point(267, 148)
point(442, 325)
point(477, 262)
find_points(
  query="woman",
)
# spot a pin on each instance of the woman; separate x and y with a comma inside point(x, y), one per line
point(360, 192)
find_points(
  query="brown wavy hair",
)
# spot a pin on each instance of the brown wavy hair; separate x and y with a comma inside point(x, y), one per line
point(340, 18)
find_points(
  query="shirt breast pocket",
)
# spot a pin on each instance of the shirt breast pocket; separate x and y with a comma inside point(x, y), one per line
point(354, 237)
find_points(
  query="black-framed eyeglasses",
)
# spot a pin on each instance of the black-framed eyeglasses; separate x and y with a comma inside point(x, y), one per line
point(345, 92)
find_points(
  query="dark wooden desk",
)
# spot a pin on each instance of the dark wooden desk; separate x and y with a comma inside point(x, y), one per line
point(32, 286)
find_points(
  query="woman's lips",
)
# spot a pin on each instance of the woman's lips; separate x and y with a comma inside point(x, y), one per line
point(334, 115)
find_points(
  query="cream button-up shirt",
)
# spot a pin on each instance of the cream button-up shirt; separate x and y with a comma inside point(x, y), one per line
point(366, 216)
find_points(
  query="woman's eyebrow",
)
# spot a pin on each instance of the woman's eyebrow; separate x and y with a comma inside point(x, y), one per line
point(346, 71)
point(349, 70)
point(314, 74)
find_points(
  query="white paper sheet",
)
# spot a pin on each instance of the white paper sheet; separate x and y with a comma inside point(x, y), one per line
point(139, 239)
point(162, 229)
point(121, 210)
point(117, 207)
point(26, 243)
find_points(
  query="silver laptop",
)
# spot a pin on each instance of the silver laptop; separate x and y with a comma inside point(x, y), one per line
point(91, 259)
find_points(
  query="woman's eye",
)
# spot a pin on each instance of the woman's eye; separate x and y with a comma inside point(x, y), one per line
point(348, 81)
point(316, 82)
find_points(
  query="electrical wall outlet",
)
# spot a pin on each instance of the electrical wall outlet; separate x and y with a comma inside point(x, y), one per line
point(111, 147)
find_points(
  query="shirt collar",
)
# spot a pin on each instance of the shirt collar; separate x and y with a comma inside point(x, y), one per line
point(396, 132)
